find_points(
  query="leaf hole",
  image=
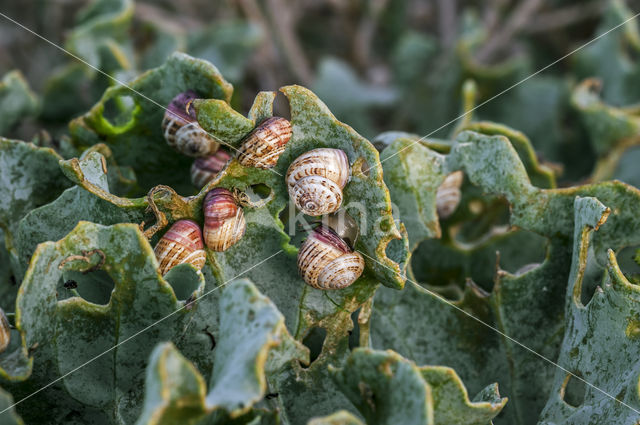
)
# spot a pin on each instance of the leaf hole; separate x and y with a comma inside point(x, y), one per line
point(594, 275)
point(354, 333)
point(573, 391)
point(628, 259)
point(95, 287)
point(118, 110)
point(362, 167)
point(258, 192)
point(314, 340)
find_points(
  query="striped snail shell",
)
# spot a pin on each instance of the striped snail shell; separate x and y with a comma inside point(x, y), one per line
point(262, 147)
point(181, 244)
point(448, 194)
point(224, 223)
point(182, 131)
point(315, 180)
point(206, 169)
point(5, 331)
point(326, 261)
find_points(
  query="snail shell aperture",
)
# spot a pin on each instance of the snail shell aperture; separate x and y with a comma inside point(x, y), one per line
point(448, 194)
point(182, 131)
point(263, 146)
point(206, 169)
point(224, 223)
point(5, 332)
point(181, 244)
point(325, 261)
point(315, 180)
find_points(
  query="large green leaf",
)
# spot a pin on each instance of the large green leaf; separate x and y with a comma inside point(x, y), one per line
point(251, 331)
point(8, 415)
point(119, 294)
point(388, 389)
point(526, 305)
point(130, 123)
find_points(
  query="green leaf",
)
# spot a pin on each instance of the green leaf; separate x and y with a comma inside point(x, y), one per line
point(251, 329)
point(17, 101)
point(130, 123)
point(600, 355)
point(388, 389)
point(119, 294)
point(339, 418)
point(8, 417)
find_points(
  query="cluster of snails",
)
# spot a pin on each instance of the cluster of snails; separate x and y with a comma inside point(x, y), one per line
point(315, 180)
point(184, 242)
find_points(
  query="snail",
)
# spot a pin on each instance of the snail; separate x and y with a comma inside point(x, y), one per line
point(262, 147)
point(326, 259)
point(5, 332)
point(182, 131)
point(181, 244)
point(206, 169)
point(224, 223)
point(448, 194)
point(315, 180)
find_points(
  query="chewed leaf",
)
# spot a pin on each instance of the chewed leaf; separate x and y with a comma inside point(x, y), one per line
point(134, 134)
point(339, 418)
point(251, 329)
point(388, 389)
point(116, 293)
point(17, 101)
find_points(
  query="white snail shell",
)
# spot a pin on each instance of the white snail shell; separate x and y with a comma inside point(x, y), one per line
point(315, 180)
point(448, 194)
point(181, 244)
point(206, 169)
point(182, 131)
point(224, 223)
point(5, 332)
point(325, 261)
point(263, 146)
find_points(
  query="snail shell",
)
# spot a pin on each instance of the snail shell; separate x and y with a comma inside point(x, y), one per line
point(224, 223)
point(182, 131)
point(448, 194)
point(325, 261)
point(5, 331)
point(181, 244)
point(206, 169)
point(262, 147)
point(315, 180)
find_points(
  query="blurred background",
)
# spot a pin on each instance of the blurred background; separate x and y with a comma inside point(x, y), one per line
point(379, 65)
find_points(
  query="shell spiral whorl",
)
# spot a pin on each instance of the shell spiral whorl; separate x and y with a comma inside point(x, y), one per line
point(448, 195)
point(263, 146)
point(316, 178)
point(181, 244)
point(182, 131)
point(224, 223)
point(325, 261)
point(206, 169)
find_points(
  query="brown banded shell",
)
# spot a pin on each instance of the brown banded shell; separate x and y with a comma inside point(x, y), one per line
point(224, 223)
point(325, 261)
point(263, 146)
point(181, 244)
point(182, 131)
point(206, 169)
point(448, 194)
point(5, 331)
point(315, 180)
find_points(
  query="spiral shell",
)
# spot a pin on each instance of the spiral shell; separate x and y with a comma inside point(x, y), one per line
point(181, 244)
point(325, 261)
point(182, 131)
point(448, 194)
point(263, 146)
point(5, 331)
point(315, 180)
point(224, 223)
point(206, 169)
